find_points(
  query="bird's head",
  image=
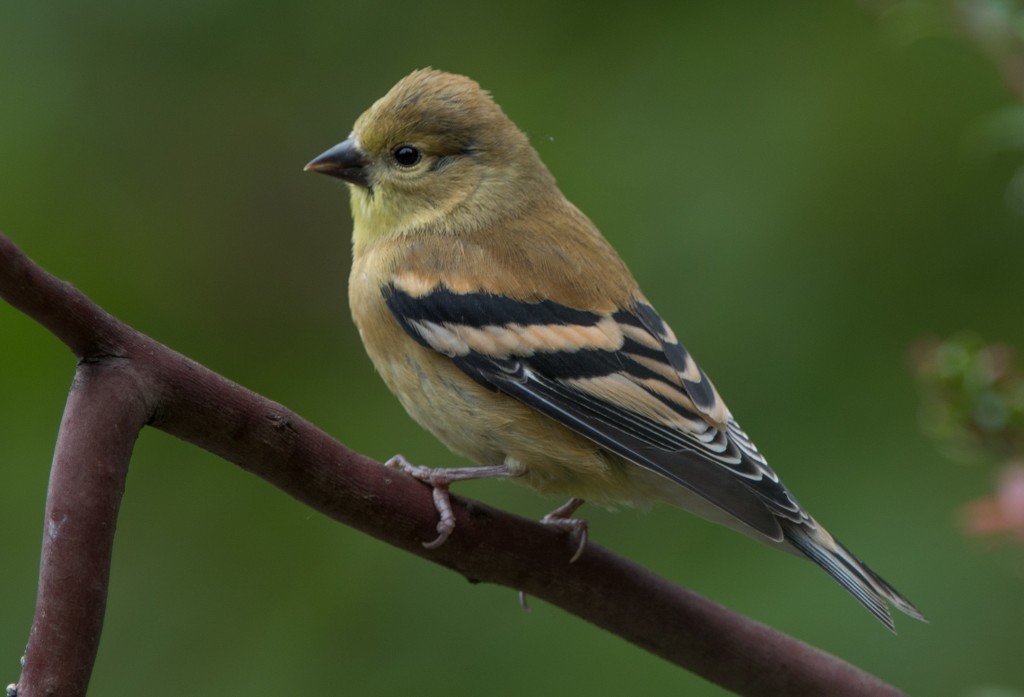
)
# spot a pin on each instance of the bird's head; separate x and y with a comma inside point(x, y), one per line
point(435, 154)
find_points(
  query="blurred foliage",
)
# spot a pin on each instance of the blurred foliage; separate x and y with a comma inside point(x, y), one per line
point(973, 397)
point(973, 393)
point(788, 183)
point(973, 406)
point(996, 28)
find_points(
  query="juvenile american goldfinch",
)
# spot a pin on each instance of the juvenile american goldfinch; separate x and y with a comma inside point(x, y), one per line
point(512, 331)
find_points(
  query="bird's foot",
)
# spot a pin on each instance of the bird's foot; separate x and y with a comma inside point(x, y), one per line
point(439, 480)
point(562, 518)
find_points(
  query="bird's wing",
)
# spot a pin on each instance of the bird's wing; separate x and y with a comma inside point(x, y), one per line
point(618, 378)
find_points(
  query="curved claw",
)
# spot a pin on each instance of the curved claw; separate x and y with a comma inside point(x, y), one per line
point(561, 517)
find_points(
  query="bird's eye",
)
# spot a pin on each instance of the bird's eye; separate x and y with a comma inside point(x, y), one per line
point(407, 155)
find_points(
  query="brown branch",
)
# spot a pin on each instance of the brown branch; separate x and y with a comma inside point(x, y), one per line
point(90, 465)
point(126, 380)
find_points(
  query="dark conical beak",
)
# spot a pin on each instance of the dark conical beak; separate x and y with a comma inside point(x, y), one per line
point(344, 161)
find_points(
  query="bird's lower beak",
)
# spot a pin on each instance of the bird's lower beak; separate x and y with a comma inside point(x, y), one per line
point(344, 161)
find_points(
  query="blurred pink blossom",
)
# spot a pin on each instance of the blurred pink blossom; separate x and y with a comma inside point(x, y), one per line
point(1003, 513)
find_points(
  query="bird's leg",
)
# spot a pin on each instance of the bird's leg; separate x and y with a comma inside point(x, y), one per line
point(440, 479)
point(562, 518)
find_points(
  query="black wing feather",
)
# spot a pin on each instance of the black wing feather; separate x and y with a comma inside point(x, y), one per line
point(630, 438)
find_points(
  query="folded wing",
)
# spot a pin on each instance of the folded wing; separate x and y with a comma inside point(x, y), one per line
point(618, 378)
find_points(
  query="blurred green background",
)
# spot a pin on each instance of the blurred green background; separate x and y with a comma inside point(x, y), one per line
point(797, 185)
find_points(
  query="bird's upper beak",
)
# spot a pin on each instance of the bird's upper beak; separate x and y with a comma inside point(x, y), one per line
point(344, 161)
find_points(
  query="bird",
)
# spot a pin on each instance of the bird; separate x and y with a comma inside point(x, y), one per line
point(510, 328)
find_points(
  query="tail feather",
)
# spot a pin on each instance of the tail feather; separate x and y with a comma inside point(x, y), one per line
point(852, 574)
